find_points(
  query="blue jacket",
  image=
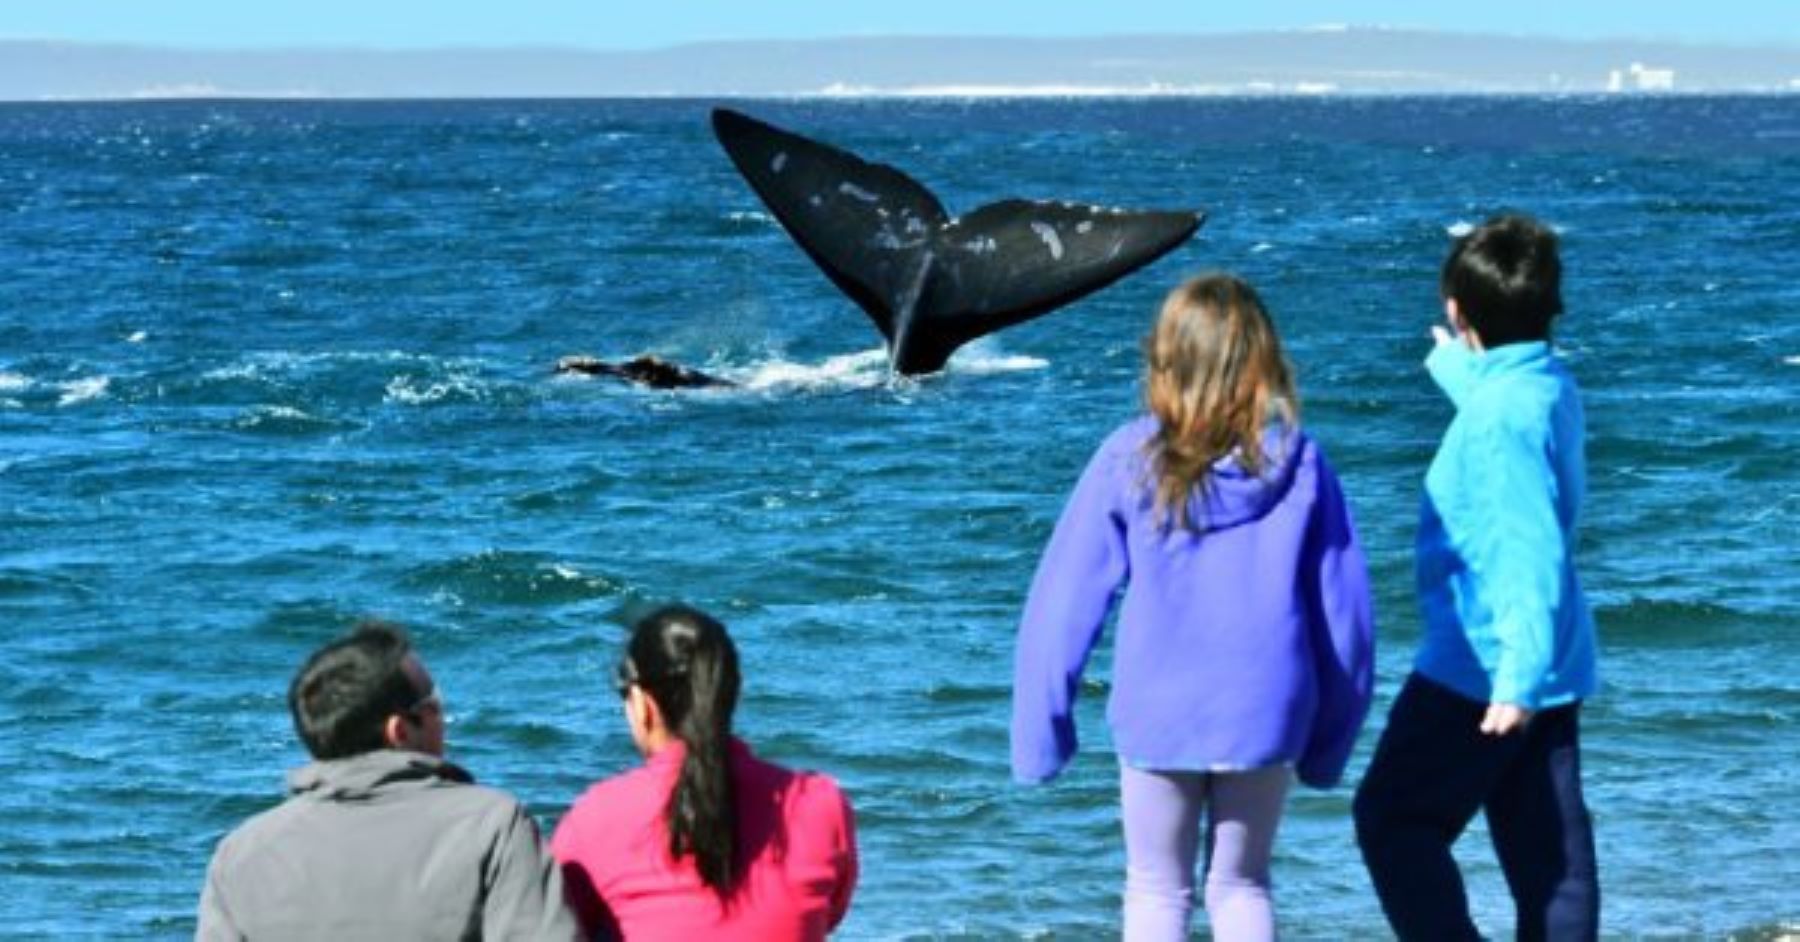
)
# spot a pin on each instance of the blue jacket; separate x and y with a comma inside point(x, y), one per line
point(1246, 645)
point(1505, 620)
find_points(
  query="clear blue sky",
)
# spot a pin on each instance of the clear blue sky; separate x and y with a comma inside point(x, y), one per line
point(635, 24)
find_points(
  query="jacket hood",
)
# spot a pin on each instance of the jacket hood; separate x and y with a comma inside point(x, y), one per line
point(1233, 496)
point(359, 777)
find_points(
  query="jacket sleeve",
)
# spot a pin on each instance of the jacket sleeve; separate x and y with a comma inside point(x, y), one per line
point(1452, 367)
point(580, 891)
point(1082, 568)
point(1342, 628)
point(847, 863)
point(524, 890)
point(1518, 553)
point(216, 924)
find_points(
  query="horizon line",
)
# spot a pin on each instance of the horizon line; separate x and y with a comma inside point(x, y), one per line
point(947, 94)
point(1322, 29)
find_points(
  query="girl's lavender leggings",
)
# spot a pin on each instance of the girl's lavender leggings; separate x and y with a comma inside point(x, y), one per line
point(1162, 839)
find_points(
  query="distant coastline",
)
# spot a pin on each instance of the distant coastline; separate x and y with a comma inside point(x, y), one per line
point(1354, 61)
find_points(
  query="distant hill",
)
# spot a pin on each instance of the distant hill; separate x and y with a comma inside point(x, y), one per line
point(1348, 61)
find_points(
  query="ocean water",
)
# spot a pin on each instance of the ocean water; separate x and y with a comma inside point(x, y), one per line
point(267, 367)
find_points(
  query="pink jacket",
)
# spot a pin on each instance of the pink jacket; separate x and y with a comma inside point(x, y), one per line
point(795, 833)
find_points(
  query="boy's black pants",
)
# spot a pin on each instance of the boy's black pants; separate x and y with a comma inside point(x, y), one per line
point(1432, 770)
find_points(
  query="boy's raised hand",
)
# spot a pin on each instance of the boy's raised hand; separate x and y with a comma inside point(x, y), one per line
point(1503, 718)
point(1441, 335)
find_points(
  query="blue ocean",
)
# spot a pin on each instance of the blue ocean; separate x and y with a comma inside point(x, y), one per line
point(270, 367)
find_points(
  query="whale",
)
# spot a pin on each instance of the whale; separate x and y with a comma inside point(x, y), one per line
point(931, 281)
point(648, 370)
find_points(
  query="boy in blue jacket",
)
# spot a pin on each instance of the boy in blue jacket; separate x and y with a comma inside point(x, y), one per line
point(1488, 719)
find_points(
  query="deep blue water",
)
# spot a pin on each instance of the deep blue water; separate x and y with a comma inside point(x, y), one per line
point(268, 367)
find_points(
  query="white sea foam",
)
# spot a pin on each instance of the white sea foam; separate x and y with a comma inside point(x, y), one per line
point(285, 412)
point(277, 418)
point(978, 361)
point(234, 371)
point(82, 390)
point(1261, 247)
point(264, 364)
point(408, 390)
point(1459, 228)
point(1791, 361)
point(864, 370)
point(13, 382)
point(137, 336)
point(868, 369)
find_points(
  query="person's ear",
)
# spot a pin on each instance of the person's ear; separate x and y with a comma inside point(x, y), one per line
point(1470, 337)
point(396, 732)
point(646, 715)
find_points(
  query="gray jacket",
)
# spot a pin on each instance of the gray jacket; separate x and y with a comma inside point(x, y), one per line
point(385, 845)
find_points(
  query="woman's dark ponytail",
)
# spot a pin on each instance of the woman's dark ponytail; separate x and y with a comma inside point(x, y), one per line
point(684, 659)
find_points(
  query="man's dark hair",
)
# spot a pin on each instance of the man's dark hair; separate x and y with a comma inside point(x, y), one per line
point(346, 691)
point(1506, 279)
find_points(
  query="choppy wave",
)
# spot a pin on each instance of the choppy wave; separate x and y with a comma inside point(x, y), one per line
point(87, 389)
point(287, 420)
point(63, 393)
point(329, 380)
point(1681, 622)
point(454, 387)
point(750, 215)
point(500, 577)
point(299, 364)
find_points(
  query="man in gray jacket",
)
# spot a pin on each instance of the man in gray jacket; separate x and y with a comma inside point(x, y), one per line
point(380, 838)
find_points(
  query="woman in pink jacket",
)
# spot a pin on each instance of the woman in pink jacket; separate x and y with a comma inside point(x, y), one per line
point(704, 839)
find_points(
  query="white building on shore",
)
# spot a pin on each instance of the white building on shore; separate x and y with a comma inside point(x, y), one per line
point(1640, 78)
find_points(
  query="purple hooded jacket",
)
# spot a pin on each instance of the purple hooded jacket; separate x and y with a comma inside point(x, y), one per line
point(1246, 645)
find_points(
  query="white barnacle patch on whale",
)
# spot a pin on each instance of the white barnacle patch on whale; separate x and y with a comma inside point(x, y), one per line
point(1047, 232)
point(1085, 226)
point(779, 162)
point(856, 192)
point(982, 246)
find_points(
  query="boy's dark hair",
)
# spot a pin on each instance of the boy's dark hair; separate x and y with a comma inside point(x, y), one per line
point(345, 692)
point(1506, 279)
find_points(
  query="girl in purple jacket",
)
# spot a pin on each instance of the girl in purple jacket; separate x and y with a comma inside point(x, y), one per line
point(1244, 652)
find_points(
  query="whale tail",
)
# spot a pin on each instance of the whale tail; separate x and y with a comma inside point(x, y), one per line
point(929, 281)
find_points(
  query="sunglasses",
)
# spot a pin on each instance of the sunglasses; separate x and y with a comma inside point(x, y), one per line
point(433, 701)
point(625, 678)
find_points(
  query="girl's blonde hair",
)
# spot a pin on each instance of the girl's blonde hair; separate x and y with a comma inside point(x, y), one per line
point(1214, 376)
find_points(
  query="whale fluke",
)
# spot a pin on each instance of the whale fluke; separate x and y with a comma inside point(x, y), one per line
point(932, 282)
